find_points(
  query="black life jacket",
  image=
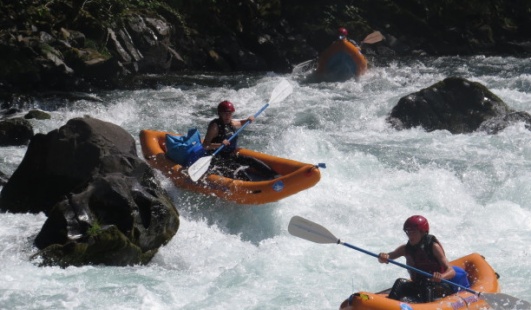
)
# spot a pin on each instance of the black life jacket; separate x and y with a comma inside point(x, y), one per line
point(421, 257)
point(225, 131)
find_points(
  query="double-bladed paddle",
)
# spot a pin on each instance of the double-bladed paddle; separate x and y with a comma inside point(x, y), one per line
point(198, 169)
point(314, 232)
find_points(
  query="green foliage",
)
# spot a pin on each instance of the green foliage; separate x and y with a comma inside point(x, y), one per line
point(98, 46)
point(94, 230)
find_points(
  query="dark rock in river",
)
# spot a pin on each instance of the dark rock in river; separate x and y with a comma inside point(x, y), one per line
point(15, 131)
point(496, 124)
point(103, 203)
point(454, 104)
point(37, 114)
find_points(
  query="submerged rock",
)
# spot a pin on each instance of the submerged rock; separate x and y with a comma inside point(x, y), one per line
point(37, 114)
point(496, 124)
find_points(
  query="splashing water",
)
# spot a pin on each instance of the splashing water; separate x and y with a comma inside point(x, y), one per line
point(474, 188)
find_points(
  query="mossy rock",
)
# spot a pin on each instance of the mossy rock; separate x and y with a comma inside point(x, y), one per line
point(106, 246)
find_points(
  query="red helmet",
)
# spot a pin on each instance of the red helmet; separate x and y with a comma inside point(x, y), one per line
point(342, 32)
point(417, 222)
point(225, 106)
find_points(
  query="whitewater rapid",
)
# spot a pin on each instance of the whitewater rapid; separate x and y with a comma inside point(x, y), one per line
point(475, 189)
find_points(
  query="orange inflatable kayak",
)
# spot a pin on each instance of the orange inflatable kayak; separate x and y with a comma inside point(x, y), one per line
point(342, 60)
point(293, 176)
point(481, 276)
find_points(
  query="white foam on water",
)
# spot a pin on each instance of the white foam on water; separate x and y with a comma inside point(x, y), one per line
point(475, 189)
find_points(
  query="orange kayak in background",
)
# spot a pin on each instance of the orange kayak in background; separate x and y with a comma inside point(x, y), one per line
point(341, 61)
point(481, 276)
point(293, 176)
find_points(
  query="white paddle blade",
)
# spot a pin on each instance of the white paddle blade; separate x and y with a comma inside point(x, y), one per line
point(305, 229)
point(373, 38)
point(304, 66)
point(500, 301)
point(281, 91)
point(197, 169)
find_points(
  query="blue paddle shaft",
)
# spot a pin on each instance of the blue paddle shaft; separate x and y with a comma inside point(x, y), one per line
point(424, 273)
point(241, 128)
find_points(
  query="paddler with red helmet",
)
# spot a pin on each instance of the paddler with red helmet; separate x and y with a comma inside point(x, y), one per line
point(343, 34)
point(218, 133)
point(423, 251)
point(220, 129)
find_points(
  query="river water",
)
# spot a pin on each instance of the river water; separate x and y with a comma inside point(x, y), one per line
point(475, 189)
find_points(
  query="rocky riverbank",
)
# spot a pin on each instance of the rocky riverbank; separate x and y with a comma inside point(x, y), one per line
point(70, 46)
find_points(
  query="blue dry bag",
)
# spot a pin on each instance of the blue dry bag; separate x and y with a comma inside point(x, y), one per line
point(460, 278)
point(184, 150)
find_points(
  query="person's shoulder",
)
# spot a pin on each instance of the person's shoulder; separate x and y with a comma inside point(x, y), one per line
point(213, 123)
point(402, 247)
point(433, 239)
point(436, 246)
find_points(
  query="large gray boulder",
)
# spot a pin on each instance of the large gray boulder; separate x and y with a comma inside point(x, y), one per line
point(454, 104)
point(103, 203)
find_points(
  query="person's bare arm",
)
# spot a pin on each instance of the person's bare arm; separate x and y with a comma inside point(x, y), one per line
point(449, 272)
point(212, 132)
point(243, 121)
point(398, 252)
